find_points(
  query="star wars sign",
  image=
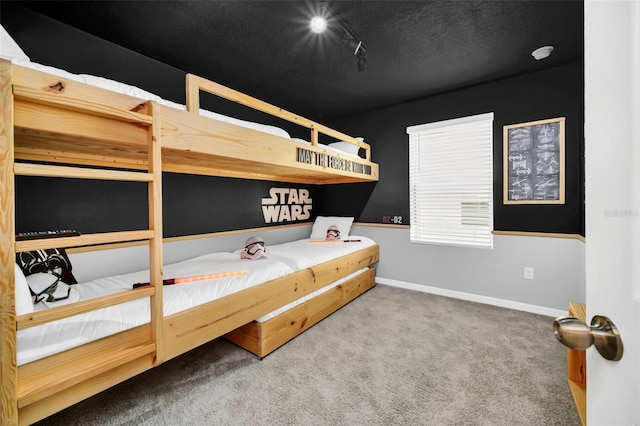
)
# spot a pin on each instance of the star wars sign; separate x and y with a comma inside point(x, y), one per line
point(286, 205)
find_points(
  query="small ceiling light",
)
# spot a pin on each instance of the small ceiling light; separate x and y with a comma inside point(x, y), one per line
point(542, 52)
point(349, 37)
point(318, 24)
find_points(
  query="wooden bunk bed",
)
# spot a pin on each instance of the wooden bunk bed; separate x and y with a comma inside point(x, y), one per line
point(55, 127)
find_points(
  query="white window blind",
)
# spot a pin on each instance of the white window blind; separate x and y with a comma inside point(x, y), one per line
point(451, 181)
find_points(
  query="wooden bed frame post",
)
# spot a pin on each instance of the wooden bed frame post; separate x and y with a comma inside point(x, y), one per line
point(155, 225)
point(8, 357)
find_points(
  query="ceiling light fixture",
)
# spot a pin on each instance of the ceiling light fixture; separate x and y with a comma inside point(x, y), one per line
point(542, 52)
point(349, 36)
point(318, 24)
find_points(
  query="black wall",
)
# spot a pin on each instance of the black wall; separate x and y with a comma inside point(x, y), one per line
point(192, 204)
point(553, 93)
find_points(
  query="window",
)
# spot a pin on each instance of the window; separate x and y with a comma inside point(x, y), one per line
point(451, 181)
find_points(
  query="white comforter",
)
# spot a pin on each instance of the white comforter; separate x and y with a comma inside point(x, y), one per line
point(56, 336)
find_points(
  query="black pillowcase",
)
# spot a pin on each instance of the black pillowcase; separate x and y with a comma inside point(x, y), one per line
point(49, 261)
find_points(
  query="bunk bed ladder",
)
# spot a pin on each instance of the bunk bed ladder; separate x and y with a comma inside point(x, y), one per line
point(103, 363)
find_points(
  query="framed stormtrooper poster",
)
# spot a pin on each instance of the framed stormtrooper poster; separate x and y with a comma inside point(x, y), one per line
point(534, 162)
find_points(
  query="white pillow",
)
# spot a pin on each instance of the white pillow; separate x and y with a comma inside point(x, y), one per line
point(24, 302)
point(322, 223)
point(347, 147)
point(9, 49)
point(301, 140)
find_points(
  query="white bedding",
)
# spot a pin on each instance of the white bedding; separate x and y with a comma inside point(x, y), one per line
point(305, 253)
point(56, 336)
point(37, 342)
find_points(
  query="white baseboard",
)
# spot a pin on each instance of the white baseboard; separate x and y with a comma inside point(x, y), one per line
point(541, 310)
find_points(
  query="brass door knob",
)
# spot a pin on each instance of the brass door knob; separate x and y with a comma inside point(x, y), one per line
point(602, 333)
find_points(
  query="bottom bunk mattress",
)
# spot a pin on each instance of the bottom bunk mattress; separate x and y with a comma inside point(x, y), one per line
point(57, 336)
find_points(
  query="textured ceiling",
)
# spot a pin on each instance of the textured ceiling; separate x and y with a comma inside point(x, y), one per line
point(264, 48)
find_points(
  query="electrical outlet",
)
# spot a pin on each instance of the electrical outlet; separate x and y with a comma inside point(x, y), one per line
point(528, 273)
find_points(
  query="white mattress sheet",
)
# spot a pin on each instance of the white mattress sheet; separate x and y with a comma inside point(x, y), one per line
point(305, 253)
point(47, 339)
point(309, 296)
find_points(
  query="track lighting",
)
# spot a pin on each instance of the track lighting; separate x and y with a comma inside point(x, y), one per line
point(357, 48)
point(349, 36)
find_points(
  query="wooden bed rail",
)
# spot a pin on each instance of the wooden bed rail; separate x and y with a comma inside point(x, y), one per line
point(195, 84)
point(48, 315)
